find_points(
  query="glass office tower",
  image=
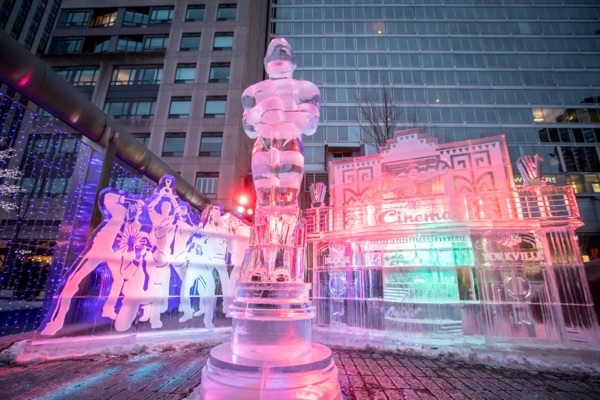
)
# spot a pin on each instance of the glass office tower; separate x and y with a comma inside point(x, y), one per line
point(459, 69)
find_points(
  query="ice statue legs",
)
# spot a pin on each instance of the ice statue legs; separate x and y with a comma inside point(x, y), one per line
point(71, 287)
point(206, 290)
point(277, 168)
point(108, 310)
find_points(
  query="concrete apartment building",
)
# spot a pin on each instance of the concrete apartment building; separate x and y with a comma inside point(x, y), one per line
point(172, 72)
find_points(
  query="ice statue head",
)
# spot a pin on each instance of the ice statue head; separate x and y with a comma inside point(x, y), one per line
point(166, 185)
point(280, 61)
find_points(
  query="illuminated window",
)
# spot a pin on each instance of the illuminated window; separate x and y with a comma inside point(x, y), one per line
point(104, 20)
point(56, 187)
point(127, 184)
point(47, 149)
point(136, 75)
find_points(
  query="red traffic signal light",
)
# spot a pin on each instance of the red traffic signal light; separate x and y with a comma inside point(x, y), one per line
point(244, 199)
point(244, 205)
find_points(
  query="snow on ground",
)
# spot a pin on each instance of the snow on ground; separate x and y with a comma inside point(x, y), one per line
point(38, 351)
point(532, 359)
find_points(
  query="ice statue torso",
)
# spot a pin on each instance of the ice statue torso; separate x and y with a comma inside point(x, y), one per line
point(281, 109)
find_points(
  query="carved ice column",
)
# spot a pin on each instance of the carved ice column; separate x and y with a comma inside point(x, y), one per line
point(271, 354)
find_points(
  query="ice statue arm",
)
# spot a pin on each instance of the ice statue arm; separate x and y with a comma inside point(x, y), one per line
point(112, 205)
point(158, 256)
point(164, 228)
point(310, 100)
point(249, 102)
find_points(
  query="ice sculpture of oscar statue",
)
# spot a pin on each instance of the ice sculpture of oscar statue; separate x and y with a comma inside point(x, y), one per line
point(271, 354)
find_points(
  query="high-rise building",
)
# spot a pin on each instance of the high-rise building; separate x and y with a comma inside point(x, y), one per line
point(29, 22)
point(173, 73)
point(458, 69)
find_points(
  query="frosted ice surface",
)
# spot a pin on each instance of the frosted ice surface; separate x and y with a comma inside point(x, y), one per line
point(277, 111)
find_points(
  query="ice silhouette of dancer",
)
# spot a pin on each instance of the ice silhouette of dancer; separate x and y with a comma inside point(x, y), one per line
point(204, 254)
point(237, 244)
point(210, 220)
point(142, 287)
point(111, 243)
point(161, 210)
point(277, 111)
point(173, 233)
point(165, 190)
point(162, 206)
point(214, 225)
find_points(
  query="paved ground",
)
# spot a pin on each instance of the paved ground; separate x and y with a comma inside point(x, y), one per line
point(363, 375)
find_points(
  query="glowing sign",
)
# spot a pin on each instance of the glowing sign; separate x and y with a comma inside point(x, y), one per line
point(514, 256)
point(400, 217)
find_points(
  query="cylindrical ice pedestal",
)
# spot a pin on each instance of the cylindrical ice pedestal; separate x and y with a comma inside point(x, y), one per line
point(271, 355)
point(271, 321)
point(227, 376)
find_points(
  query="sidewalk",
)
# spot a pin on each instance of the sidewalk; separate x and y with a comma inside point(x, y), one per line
point(363, 374)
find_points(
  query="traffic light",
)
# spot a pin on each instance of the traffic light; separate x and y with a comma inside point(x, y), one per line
point(244, 206)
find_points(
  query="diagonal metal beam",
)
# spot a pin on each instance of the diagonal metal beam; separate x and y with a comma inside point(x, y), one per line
point(36, 80)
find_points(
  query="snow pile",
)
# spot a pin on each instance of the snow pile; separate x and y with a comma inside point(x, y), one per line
point(542, 359)
point(94, 347)
point(528, 358)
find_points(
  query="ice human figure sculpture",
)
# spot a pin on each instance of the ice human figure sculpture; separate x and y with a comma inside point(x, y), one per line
point(277, 112)
point(271, 354)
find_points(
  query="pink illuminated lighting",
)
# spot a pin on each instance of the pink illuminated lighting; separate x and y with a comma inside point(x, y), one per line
point(24, 80)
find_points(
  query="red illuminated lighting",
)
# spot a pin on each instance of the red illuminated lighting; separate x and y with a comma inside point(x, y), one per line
point(244, 199)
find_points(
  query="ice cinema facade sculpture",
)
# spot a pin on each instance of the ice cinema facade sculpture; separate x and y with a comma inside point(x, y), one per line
point(434, 243)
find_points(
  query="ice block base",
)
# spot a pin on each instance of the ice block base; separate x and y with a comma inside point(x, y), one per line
point(228, 376)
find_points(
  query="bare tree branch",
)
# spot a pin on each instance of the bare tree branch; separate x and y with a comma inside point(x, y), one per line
point(380, 117)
